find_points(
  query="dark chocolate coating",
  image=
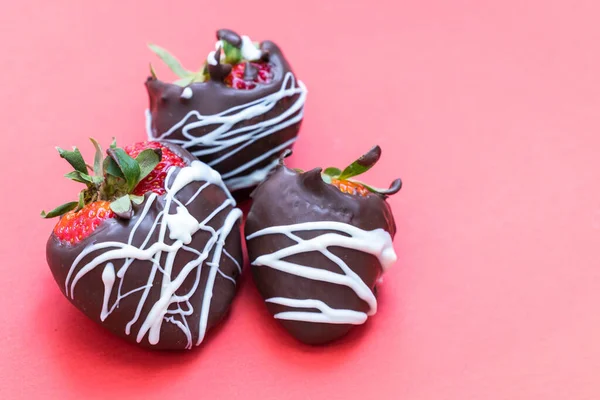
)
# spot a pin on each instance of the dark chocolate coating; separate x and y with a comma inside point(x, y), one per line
point(219, 71)
point(250, 71)
point(167, 108)
point(89, 291)
point(288, 197)
point(229, 36)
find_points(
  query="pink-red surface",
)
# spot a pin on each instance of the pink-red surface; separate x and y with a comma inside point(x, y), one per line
point(488, 110)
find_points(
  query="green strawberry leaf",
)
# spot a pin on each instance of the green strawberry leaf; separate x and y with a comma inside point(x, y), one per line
point(172, 62)
point(74, 158)
point(137, 200)
point(326, 178)
point(112, 168)
point(60, 210)
point(233, 55)
point(394, 188)
point(122, 207)
point(97, 158)
point(332, 172)
point(363, 164)
point(201, 75)
point(148, 160)
point(187, 81)
point(128, 166)
point(79, 177)
point(113, 144)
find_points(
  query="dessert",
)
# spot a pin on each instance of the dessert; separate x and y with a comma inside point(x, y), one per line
point(238, 113)
point(318, 242)
point(152, 248)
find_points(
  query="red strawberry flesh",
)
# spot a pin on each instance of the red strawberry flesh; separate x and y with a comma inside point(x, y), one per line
point(236, 78)
point(155, 181)
point(75, 226)
point(350, 187)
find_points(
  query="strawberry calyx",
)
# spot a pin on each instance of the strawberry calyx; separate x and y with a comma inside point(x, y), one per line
point(237, 62)
point(342, 178)
point(112, 179)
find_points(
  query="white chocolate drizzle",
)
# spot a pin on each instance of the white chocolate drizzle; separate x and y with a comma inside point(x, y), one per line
point(377, 242)
point(187, 93)
point(180, 227)
point(231, 139)
point(249, 51)
point(211, 58)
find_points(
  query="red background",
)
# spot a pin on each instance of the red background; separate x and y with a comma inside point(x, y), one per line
point(487, 110)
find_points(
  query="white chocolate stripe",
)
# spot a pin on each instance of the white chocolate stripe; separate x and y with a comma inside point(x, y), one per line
point(225, 137)
point(327, 314)
point(180, 226)
point(377, 242)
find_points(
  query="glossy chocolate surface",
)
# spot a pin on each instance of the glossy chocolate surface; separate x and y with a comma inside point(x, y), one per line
point(89, 291)
point(289, 198)
point(169, 107)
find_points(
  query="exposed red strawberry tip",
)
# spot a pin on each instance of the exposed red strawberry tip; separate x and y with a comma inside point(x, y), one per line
point(350, 187)
point(75, 226)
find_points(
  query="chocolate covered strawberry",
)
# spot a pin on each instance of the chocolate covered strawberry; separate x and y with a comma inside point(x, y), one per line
point(238, 112)
point(151, 249)
point(318, 242)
